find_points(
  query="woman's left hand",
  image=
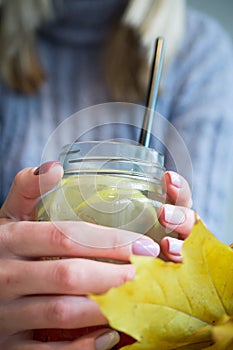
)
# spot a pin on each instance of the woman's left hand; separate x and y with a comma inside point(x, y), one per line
point(176, 214)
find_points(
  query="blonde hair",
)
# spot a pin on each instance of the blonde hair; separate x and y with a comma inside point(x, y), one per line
point(128, 54)
point(153, 18)
point(132, 48)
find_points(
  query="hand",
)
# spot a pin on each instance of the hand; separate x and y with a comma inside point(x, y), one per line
point(176, 215)
point(38, 294)
point(26, 300)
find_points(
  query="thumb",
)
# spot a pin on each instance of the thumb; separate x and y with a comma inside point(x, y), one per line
point(27, 187)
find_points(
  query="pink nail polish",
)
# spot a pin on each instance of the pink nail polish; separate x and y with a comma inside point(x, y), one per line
point(145, 247)
point(174, 245)
point(173, 215)
point(44, 168)
point(175, 179)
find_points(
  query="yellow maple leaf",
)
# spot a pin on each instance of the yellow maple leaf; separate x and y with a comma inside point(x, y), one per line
point(177, 306)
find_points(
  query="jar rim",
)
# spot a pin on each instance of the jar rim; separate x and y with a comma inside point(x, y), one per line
point(92, 150)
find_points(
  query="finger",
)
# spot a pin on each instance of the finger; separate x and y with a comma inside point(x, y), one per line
point(98, 340)
point(26, 189)
point(38, 239)
point(177, 189)
point(177, 219)
point(66, 276)
point(62, 312)
point(102, 339)
point(171, 249)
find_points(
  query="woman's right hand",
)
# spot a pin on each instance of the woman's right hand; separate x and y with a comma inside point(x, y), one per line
point(39, 294)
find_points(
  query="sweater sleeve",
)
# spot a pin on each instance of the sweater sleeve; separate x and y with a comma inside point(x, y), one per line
point(202, 112)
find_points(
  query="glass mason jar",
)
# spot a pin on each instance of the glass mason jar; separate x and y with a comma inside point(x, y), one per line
point(112, 184)
point(107, 183)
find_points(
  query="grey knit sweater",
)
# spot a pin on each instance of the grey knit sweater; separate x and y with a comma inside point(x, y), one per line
point(197, 98)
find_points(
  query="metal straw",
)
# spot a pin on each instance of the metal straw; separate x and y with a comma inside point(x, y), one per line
point(152, 92)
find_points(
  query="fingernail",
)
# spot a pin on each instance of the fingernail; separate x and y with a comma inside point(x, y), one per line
point(172, 215)
point(145, 247)
point(175, 179)
point(44, 168)
point(107, 340)
point(174, 245)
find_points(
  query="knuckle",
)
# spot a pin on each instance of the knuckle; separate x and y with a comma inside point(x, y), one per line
point(57, 313)
point(59, 240)
point(64, 276)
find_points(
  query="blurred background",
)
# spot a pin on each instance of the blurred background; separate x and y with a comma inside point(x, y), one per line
point(222, 11)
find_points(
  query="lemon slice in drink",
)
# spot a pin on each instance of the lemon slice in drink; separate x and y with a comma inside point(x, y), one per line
point(111, 202)
point(117, 207)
